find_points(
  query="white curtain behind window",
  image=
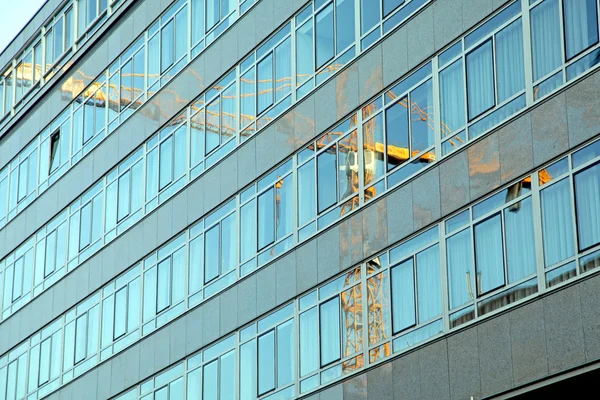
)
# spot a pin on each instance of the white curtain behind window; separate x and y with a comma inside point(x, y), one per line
point(557, 223)
point(509, 61)
point(581, 25)
point(545, 33)
point(587, 192)
point(520, 245)
point(452, 98)
point(480, 80)
point(428, 284)
point(460, 268)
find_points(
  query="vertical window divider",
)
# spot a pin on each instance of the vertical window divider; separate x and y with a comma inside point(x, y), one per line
point(365, 314)
point(527, 53)
point(437, 135)
point(444, 275)
point(360, 154)
point(538, 232)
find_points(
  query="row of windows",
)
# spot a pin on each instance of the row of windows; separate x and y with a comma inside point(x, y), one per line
point(261, 89)
point(374, 150)
point(57, 40)
point(483, 257)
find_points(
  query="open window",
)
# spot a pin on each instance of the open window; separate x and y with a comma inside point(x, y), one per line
point(54, 144)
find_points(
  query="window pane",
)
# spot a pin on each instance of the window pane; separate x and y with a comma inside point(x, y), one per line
point(58, 38)
point(85, 232)
point(213, 13)
point(181, 35)
point(396, 130)
point(266, 363)
point(304, 52)
point(545, 36)
point(163, 287)
point(166, 51)
point(213, 125)
point(306, 192)
point(460, 268)
point(326, 179)
point(212, 247)
point(329, 320)
point(581, 25)
point(344, 24)
point(309, 344)
point(429, 284)
point(284, 207)
point(248, 371)
point(422, 118)
point(390, 5)
point(196, 264)
point(80, 338)
point(489, 257)
point(50, 264)
point(120, 313)
point(166, 163)
point(266, 216)
point(324, 35)
point(285, 353)
point(587, 201)
point(45, 361)
point(23, 175)
point(520, 246)
point(197, 20)
point(265, 83)
point(509, 61)
point(123, 196)
point(348, 164)
point(283, 68)
point(18, 278)
point(210, 381)
point(369, 13)
point(138, 73)
point(557, 223)
point(227, 381)
point(248, 231)
point(162, 394)
point(480, 80)
point(452, 98)
point(403, 296)
point(228, 244)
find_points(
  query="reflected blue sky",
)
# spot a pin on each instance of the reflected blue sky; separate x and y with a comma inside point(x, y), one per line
point(14, 16)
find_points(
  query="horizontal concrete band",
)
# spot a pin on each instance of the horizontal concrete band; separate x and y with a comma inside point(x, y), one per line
point(458, 179)
point(385, 222)
point(177, 94)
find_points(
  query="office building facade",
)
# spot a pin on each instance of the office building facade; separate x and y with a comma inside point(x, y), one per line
point(277, 199)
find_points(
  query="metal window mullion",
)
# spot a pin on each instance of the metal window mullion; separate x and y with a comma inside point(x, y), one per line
point(435, 80)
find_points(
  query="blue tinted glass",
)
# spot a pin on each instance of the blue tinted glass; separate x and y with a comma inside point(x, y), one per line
point(449, 54)
point(227, 378)
point(306, 192)
point(460, 268)
point(309, 344)
point(480, 80)
point(285, 353)
point(581, 25)
point(520, 258)
point(396, 129)
point(489, 256)
point(403, 296)
point(429, 286)
point(587, 201)
point(304, 52)
point(210, 381)
point(345, 24)
point(452, 98)
point(509, 61)
point(370, 14)
point(422, 117)
point(330, 331)
point(557, 223)
point(212, 247)
point(248, 371)
point(545, 37)
point(213, 13)
point(166, 163)
point(326, 179)
point(324, 35)
point(228, 243)
point(167, 50)
point(390, 5)
point(265, 83)
point(266, 222)
point(163, 295)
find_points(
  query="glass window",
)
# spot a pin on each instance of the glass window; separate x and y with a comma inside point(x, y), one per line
point(120, 313)
point(163, 285)
point(213, 13)
point(480, 80)
point(248, 371)
point(18, 268)
point(85, 232)
point(266, 219)
point(285, 353)
point(509, 61)
point(266, 363)
point(304, 52)
point(460, 268)
point(545, 37)
point(581, 25)
point(390, 5)
point(329, 320)
point(344, 14)
point(228, 243)
point(347, 164)
point(211, 265)
point(422, 117)
point(213, 125)
point(283, 67)
point(123, 197)
point(557, 223)
point(210, 381)
point(306, 192)
point(197, 20)
point(181, 33)
point(58, 38)
point(429, 298)
point(324, 36)
point(227, 377)
point(489, 256)
point(167, 50)
point(248, 231)
point(50, 264)
point(452, 98)
point(370, 14)
point(520, 244)
point(326, 178)
point(309, 343)
point(166, 163)
point(45, 354)
point(403, 296)
point(587, 201)
point(265, 83)
point(80, 338)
